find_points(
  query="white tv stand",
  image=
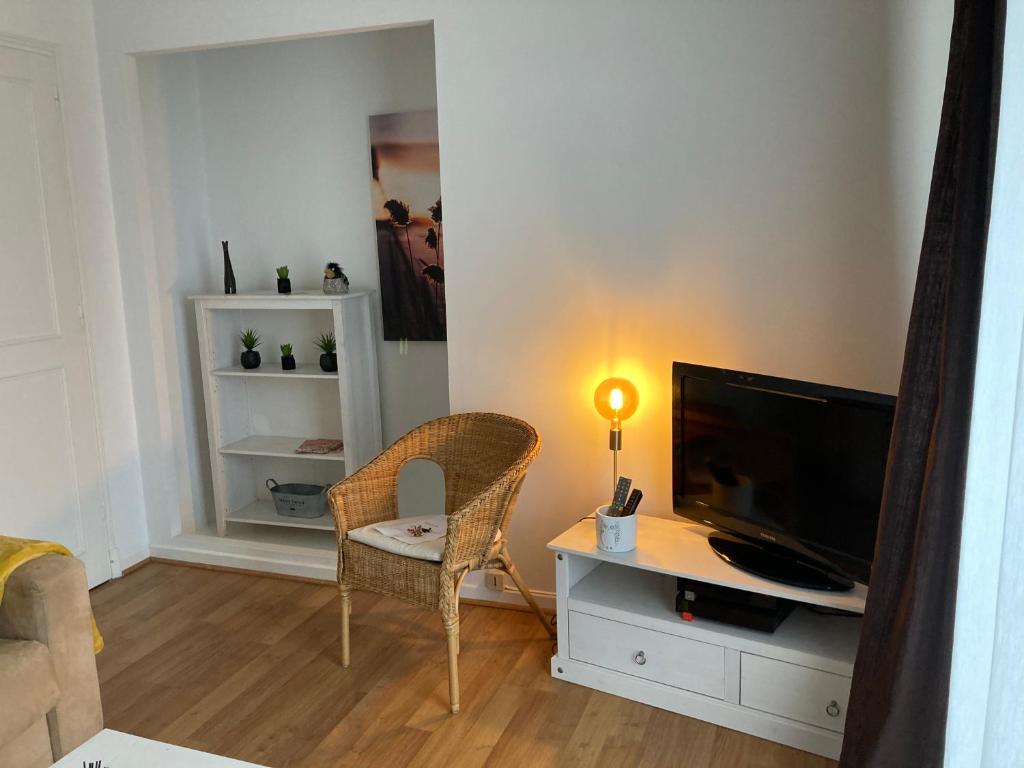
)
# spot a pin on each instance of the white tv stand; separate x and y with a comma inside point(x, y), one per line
point(618, 632)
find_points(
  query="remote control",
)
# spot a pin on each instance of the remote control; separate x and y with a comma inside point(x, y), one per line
point(621, 492)
point(633, 502)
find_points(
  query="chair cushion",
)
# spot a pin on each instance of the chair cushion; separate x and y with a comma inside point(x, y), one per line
point(28, 689)
point(424, 550)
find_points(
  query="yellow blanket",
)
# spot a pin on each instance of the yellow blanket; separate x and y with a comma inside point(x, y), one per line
point(14, 552)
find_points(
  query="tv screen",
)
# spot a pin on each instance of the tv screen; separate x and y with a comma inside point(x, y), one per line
point(794, 464)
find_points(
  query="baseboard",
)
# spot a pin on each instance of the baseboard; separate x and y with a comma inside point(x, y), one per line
point(263, 559)
point(244, 571)
point(478, 594)
point(127, 563)
point(507, 605)
point(257, 557)
point(135, 566)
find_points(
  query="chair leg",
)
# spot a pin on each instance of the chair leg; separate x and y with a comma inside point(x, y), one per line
point(346, 610)
point(455, 599)
point(511, 570)
point(452, 631)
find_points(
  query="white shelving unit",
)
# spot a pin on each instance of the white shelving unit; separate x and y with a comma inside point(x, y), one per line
point(618, 632)
point(262, 512)
point(275, 445)
point(304, 371)
point(257, 418)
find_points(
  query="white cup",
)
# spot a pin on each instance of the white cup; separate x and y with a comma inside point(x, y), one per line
point(615, 534)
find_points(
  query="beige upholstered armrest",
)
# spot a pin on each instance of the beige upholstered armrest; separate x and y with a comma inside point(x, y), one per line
point(47, 600)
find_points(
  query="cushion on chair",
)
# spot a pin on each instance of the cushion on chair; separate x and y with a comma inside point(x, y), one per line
point(425, 550)
point(28, 689)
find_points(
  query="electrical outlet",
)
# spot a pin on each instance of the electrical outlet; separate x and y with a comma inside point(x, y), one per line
point(495, 581)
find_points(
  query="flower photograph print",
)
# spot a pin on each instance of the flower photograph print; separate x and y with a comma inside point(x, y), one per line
point(410, 236)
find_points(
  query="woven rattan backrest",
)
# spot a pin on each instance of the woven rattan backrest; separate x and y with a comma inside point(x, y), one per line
point(473, 450)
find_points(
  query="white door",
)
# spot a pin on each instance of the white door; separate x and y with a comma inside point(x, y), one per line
point(50, 474)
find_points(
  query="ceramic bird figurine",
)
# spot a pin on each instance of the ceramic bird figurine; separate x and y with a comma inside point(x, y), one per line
point(335, 280)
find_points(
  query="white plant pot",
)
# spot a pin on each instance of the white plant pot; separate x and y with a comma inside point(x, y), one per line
point(615, 534)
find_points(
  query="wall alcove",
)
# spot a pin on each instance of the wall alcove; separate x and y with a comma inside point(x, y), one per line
point(267, 146)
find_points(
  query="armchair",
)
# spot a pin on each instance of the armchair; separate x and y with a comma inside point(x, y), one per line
point(484, 458)
point(49, 690)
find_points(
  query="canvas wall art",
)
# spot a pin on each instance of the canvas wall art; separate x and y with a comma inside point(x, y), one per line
point(406, 182)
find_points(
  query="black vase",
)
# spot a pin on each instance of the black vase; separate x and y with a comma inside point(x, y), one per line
point(329, 362)
point(250, 359)
point(288, 362)
point(284, 285)
point(229, 273)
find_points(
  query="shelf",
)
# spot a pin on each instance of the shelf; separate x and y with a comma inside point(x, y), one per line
point(254, 428)
point(296, 296)
point(304, 371)
point(647, 599)
point(262, 512)
point(679, 548)
point(274, 445)
point(296, 300)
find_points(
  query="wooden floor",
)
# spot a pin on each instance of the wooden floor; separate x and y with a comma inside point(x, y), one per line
point(247, 666)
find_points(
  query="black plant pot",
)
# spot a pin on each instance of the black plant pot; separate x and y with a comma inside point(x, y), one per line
point(288, 362)
point(251, 359)
point(329, 362)
point(284, 285)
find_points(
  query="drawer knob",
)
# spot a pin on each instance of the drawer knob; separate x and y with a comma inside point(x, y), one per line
point(640, 658)
point(832, 708)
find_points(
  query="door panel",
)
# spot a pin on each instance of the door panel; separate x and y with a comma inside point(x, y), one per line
point(27, 304)
point(50, 468)
point(36, 454)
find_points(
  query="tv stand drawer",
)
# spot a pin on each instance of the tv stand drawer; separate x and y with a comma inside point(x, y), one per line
point(798, 693)
point(645, 653)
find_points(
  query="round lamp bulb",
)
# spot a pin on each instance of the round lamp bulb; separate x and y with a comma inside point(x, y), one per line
point(616, 397)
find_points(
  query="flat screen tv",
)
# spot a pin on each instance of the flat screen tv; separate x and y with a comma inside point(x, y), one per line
point(789, 473)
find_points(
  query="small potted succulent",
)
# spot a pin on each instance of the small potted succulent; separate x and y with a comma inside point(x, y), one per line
point(335, 281)
point(329, 358)
point(284, 285)
point(287, 358)
point(250, 357)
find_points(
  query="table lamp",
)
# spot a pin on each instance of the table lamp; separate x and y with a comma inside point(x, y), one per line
point(616, 399)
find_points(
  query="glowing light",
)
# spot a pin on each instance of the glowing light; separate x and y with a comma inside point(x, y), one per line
point(616, 398)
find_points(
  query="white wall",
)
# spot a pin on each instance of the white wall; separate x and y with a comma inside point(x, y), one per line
point(289, 123)
point(267, 146)
point(733, 184)
point(176, 171)
point(69, 26)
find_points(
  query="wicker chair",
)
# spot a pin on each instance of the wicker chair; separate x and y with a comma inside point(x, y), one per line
point(484, 457)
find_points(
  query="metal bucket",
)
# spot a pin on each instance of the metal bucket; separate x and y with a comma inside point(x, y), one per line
point(298, 499)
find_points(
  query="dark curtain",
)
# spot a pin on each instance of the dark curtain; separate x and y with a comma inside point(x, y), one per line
point(897, 712)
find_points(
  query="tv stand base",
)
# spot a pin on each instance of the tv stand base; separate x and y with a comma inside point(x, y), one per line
point(619, 632)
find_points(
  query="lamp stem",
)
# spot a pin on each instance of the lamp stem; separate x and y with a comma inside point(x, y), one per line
point(615, 443)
